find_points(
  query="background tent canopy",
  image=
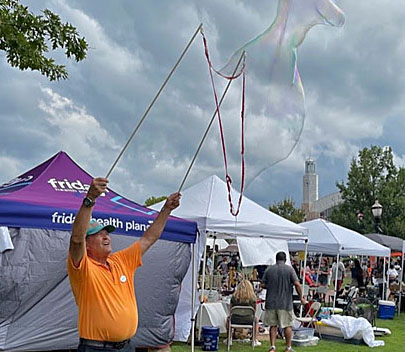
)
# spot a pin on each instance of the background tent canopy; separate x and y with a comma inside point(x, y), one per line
point(219, 243)
point(49, 195)
point(328, 238)
point(231, 248)
point(394, 243)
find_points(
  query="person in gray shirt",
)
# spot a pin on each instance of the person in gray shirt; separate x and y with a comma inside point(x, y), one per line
point(279, 280)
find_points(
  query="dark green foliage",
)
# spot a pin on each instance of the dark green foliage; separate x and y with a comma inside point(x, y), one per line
point(286, 208)
point(372, 176)
point(26, 38)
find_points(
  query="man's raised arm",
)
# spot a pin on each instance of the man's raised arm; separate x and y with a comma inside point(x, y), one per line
point(78, 238)
point(153, 233)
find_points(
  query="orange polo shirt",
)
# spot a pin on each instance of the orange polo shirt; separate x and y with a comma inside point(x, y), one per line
point(106, 298)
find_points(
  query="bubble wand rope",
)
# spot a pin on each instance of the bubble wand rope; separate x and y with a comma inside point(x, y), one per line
point(221, 131)
point(153, 101)
point(211, 121)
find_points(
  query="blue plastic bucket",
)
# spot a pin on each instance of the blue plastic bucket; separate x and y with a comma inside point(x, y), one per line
point(210, 337)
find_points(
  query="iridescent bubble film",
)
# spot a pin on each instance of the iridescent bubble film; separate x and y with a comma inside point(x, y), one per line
point(275, 111)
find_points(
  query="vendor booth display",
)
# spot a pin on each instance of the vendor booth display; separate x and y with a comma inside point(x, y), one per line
point(37, 308)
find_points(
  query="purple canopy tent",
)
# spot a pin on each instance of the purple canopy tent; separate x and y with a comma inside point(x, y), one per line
point(37, 308)
point(49, 195)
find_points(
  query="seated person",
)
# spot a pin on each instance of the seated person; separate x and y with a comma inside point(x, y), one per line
point(244, 296)
point(309, 281)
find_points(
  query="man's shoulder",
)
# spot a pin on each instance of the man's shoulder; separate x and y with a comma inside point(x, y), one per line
point(276, 268)
point(290, 270)
point(285, 266)
point(83, 263)
point(270, 268)
point(129, 257)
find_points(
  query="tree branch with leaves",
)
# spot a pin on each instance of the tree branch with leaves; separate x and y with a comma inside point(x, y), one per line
point(26, 38)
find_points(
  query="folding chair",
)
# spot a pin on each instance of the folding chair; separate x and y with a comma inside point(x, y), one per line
point(310, 318)
point(348, 298)
point(248, 314)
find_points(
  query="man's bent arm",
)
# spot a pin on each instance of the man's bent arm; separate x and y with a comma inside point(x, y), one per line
point(153, 233)
point(78, 239)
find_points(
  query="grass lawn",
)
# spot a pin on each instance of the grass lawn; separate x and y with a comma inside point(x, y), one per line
point(393, 343)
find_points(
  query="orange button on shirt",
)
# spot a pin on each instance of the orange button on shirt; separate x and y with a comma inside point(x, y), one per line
point(106, 298)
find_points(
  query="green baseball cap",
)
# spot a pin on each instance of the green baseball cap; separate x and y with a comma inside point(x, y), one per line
point(95, 227)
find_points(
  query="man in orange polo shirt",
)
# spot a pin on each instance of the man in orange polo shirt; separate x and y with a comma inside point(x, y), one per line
point(103, 283)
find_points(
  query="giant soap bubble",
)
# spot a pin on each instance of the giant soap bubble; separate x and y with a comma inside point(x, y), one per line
point(275, 102)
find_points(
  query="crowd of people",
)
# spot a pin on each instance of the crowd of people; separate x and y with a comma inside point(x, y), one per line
point(245, 285)
point(318, 272)
point(360, 274)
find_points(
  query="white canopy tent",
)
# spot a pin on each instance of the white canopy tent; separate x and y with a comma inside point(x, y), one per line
point(207, 204)
point(328, 238)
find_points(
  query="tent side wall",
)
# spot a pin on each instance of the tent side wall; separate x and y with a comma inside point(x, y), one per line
point(158, 284)
point(37, 308)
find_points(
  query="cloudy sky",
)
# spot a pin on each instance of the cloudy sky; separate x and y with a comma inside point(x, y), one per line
point(353, 76)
